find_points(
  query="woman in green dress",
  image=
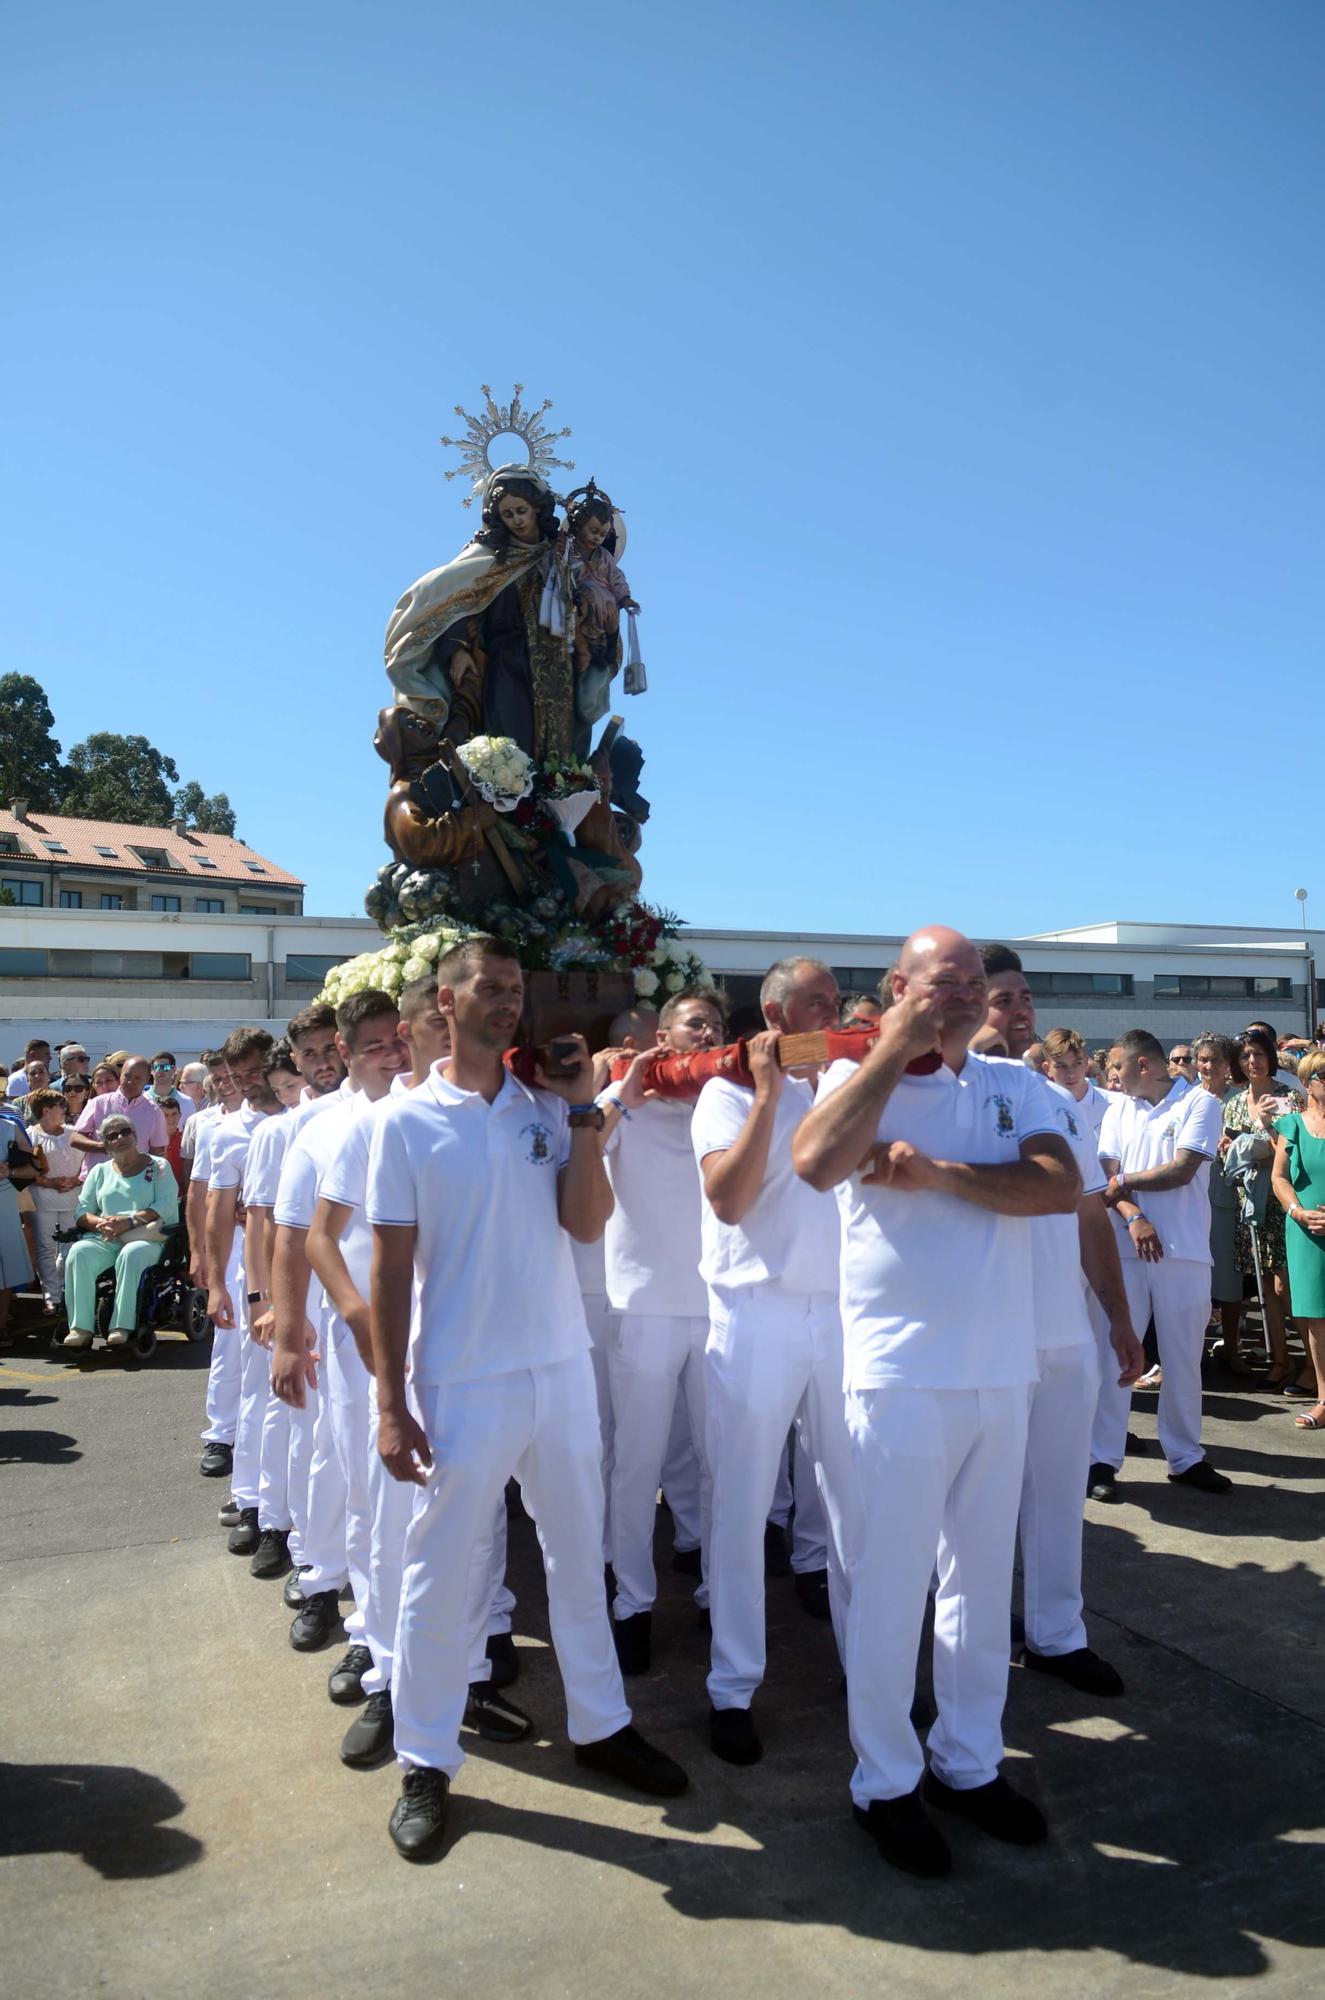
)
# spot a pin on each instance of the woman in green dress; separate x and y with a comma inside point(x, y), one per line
point(123, 1193)
point(1255, 1110)
point(1299, 1189)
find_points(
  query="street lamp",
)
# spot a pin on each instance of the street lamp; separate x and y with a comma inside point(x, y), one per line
point(1301, 895)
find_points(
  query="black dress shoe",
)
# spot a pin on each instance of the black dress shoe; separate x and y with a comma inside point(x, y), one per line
point(627, 1756)
point(229, 1515)
point(1203, 1477)
point(272, 1556)
point(733, 1736)
point(345, 1681)
point(905, 1835)
point(1135, 1446)
point(1082, 1669)
point(293, 1592)
point(687, 1562)
point(504, 1660)
point(923, 1712)
point(418, 1818)
point(245, 1535)
point(316, 1622)
point(995, 1808)
point(776, 1560)
point(369, 1738)
point(634, 1642)
point(217, 1461)
point(1101, 1483)
point(812, 1590)
point(494, 1716)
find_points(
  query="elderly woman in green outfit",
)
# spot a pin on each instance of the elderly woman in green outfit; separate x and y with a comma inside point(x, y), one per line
point(121, 1197)
point(1299, 1188)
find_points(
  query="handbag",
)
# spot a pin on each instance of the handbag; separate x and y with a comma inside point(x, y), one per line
point(22, 1165)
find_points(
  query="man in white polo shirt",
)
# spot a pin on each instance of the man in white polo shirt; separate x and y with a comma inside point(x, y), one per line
point(774, 1353)
point(940, 1157)
point(473, 1181)
point(218, 1450)
point(652, 1245)
point(1157, 1142)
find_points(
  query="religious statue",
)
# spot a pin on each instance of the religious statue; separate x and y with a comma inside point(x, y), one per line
point(601, 594)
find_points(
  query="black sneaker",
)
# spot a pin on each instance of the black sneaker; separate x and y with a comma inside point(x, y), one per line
point(995, 1808)
point(293, 1592)
point(1082, 1669)
point(1101, 1483)
point(494, 1717)
point(812, 1590)
point(272, 1556)
point(905, 1835)
point(245, 1535)
point(634, 1642)
point(345, 1682)
point(625, 1755)
point(418, 1818)
point(686, 1562)
point(217, 1461)
point(504, 1660)
point(317, 1621)
point(733, 1736)
point(1203, 1477)
point(776, 1560)
point(368, 1740)
point(229, 1515)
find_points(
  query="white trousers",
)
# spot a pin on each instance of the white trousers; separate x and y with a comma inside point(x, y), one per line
point(653, 1357)
point(347, 1400)
point(772, 1360)
point(601, 1321)
point(938, 1468)
point(392, 1508)
point(274, 1466)
point(53, 1211)
point(227, 1354)
point(1053, 1492)
point(324, 1527)
point(540, 1426)
point(1177, 1292)
point(681, 1482)
point(800, 1507)
point(254, 1394)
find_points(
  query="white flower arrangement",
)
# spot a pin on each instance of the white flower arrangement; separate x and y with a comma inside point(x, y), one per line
point(503, 774)
point(646, 983)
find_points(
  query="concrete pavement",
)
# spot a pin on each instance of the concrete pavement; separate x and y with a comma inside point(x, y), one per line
point(174, 1819)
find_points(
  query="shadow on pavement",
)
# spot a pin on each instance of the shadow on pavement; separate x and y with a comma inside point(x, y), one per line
point(38, 1448)
point(109, 1814)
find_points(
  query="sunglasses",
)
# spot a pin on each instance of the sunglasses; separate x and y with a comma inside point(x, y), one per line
point(1181, 1056)
point(117, 1138)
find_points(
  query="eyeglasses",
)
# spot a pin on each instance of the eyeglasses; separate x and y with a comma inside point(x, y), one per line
point(159, 1067)
point(1181, 1056)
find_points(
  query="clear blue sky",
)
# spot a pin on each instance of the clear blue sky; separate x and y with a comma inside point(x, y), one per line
point(958, 367)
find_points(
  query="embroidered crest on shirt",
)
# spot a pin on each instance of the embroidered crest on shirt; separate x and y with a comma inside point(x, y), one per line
point(1006, 1123)
point(540, 1152)
point(1070, 1122)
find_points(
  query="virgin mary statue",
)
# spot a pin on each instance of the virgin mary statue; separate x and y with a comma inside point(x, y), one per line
point(482, 645)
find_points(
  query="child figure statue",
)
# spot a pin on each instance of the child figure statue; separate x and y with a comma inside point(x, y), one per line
point(601, 594)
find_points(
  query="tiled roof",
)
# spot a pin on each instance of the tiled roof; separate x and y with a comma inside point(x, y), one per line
point(46, 836)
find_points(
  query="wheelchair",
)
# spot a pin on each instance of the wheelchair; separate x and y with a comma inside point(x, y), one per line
point(167, 1301)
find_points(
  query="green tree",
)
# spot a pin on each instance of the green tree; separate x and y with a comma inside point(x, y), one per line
point(121, 778)
point(203, 814)
point(29, 754)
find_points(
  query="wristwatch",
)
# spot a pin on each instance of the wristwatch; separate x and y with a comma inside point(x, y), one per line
point(586, 1117)
point(258, 1298)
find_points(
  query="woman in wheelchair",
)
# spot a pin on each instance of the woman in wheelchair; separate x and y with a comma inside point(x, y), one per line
point(126, 1204)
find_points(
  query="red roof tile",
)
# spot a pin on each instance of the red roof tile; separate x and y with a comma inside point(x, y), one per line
point(184, 852)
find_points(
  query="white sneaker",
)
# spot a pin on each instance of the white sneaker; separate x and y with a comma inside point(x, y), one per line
point(118, 1338)
point(77, 1340)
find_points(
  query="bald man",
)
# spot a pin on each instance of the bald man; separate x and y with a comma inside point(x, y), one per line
point(939, 1158)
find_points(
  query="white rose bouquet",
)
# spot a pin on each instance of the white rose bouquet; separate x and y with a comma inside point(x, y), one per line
point(502, 773)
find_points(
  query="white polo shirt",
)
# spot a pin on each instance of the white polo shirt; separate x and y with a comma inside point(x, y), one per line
point(272, 1143)
point(229, 1146)
point(1092, 1106)
point(346, 1181)
point(494, 1285)
point(651, 1243)
point(1138, 1134)
point(936, 1293)
point(789, 1237)
point(1057, 1279)
point(204, 1125)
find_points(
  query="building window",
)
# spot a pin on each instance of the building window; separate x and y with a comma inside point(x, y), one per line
point(27, 893)
point(208, 905)
point(1112, 985)
point(165, 902)
point(1220, 986)
point(71, 899)
point(203, 862)
point(260, 910)
point(109, 853)
point(220, 965)
point(153, 857)
point(255, 868)
point(110, 901)
point(107, 964)
point(20, 964)
point(55, 847)
point(309, 969)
